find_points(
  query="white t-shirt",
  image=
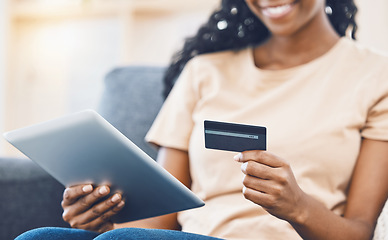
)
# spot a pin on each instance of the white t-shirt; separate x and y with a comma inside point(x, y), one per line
point(315, 114)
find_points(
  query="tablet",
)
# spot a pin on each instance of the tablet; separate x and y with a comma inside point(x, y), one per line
point(83, 148)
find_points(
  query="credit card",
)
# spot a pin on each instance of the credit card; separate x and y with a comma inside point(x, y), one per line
point(234, 137)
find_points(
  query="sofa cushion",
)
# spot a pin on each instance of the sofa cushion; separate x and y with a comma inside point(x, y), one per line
point(131, 100)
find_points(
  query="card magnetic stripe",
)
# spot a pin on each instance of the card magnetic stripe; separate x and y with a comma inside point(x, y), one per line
point(232, 134)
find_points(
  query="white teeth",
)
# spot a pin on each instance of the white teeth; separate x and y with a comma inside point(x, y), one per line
point(277, 11)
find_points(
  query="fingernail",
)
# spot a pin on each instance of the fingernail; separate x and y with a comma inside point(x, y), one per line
point(87, 188)
point(244, 166)
point(115, 198)
point(237, 157)
point(244, 189)
point(103, 190)
point(122, 203)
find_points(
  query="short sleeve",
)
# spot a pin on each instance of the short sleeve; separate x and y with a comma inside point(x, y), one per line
point(174, 123)
point(376, 126)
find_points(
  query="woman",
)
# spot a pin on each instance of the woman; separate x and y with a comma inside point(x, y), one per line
point(324, 101)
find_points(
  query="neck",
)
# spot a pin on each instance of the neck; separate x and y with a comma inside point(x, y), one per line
point(307, 44)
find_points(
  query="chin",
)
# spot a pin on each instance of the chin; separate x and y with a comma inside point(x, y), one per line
point(283, 31)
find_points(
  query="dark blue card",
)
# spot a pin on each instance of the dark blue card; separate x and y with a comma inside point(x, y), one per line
point(234, 137)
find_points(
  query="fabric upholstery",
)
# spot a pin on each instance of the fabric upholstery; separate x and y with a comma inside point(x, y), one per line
point(29, 198)
point(131, 101)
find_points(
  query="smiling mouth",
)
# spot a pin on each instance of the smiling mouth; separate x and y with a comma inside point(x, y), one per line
point(278, 11)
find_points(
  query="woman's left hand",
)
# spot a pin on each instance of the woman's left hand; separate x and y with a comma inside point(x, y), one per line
point(270, 183)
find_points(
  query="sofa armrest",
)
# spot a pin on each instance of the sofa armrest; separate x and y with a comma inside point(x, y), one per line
point(29, 198)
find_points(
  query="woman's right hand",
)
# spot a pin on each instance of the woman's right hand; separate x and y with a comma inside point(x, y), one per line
point(83, 208)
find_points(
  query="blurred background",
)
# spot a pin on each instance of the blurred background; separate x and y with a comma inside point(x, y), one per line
point(54, 54)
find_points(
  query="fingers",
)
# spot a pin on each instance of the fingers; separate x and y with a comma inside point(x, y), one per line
point(72, 194)
point(100, 223)
point(257, 170)
point(85, 208)
point(263, 199)
point(76, 202)
point(265, 193)
point(104, 210)
point(262, 157)
point(83, 196)
point(90, 199)
point(97, 217)
point(269, 182)
point(257, 184)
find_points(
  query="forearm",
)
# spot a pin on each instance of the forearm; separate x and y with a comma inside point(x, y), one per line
point(162, 222)
point(317, 222)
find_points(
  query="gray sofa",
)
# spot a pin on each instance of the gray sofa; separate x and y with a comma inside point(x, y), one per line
point(30, 198)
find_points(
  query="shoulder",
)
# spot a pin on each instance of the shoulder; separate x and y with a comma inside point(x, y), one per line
point(364, 65)
point(367, 55)
point(369, 69)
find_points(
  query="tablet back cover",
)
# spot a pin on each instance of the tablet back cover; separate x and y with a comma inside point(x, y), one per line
point(84, 148)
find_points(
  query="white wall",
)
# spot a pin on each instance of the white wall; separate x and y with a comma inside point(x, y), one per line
point(372, 21)
point(57, 65)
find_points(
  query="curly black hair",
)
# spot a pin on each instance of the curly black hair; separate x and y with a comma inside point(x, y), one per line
point(233, 26)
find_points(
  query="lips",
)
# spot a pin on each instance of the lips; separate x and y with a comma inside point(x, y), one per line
point(277, 11)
